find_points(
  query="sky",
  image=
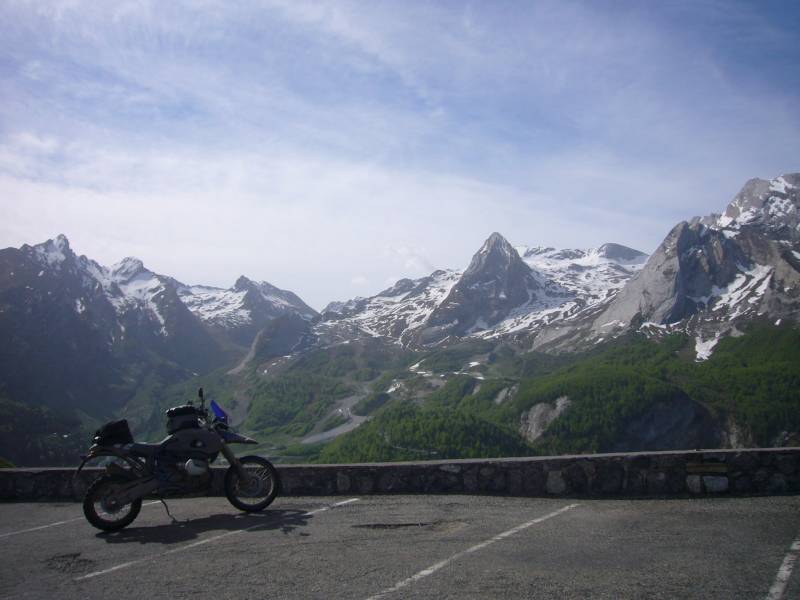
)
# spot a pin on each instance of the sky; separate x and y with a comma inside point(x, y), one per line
point(333, 148)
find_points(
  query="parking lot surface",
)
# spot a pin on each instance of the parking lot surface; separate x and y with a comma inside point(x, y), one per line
point(410, 547)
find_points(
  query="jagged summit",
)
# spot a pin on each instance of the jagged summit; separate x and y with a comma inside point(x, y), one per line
point(504, 290)
point(51, 252)
point(495, 242)
point(129, 292)
point(711, 273)
point(243, 284)
point(127, 268)
point(774, 204)
point(60, 241)
point(495, 254)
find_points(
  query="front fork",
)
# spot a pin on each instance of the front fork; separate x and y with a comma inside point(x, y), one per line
point(233, 461)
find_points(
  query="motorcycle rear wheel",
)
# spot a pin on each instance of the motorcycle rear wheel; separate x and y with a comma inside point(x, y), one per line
point(100, 509)
point(259, 491)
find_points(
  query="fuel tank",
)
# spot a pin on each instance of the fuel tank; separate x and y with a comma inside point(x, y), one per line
point(193, 443)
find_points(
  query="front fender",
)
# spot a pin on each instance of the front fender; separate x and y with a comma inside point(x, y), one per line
point(231, 437)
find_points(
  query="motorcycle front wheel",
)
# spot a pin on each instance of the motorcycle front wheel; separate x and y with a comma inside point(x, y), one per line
point(258, 490)
point(100, 506)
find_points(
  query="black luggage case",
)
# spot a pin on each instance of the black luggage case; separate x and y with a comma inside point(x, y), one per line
point(115, 432)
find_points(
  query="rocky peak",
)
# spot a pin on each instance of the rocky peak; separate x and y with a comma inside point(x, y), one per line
point(403, 286)
point(498, 270)
point(53, 252)
point(774, 204)
point(619, 252)
point(263, 298)
point(712, 271)
point(496, 282)
point(61, 242)
point(496, 253)
point(243, 284)
point(127, 269)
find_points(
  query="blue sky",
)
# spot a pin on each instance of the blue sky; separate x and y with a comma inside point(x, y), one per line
point(331, 148)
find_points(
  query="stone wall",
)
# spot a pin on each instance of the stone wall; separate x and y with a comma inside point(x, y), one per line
point(652, 474)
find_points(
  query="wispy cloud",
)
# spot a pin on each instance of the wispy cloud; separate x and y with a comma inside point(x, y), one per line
point(311, 141)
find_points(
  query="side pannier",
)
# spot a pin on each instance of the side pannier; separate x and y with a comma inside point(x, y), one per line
point(115, 432)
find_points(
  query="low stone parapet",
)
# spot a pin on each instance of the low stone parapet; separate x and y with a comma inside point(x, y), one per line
point(638, 474)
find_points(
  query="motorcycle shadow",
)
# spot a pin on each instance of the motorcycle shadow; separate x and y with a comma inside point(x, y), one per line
point(176, 532)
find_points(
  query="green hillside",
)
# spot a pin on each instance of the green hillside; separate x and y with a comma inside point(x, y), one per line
point(440, 404)
point(752, 379)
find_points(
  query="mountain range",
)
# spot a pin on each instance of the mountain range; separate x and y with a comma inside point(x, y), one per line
point(83, 335)
point(709, 275)
point(94, 341)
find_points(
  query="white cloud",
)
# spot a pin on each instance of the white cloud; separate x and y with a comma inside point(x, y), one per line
point(304, 142)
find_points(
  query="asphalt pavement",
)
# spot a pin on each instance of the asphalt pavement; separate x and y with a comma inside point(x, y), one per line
point(410, 547)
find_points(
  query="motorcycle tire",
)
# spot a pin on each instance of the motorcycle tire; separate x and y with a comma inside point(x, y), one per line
point(104, 516)
point(262, 488)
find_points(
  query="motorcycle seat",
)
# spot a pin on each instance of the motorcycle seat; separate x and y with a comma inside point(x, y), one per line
point(145, 450)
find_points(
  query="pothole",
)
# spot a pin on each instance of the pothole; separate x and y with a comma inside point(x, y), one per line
point(68, 563)
point(390, 525)
point(437, 526)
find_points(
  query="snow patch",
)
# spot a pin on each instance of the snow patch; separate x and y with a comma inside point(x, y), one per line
point(780, 185)
point(216, 306)
point(753, 281)
point(703, 349)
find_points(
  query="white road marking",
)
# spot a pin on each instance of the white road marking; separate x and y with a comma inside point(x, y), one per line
point(201, 542)
point(56, 524)
point(324, 508)
point(443, 563)
point(778, 588)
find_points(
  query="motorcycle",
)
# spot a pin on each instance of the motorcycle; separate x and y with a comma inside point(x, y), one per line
point(178, 465)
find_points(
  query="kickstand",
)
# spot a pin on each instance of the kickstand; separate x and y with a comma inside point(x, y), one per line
point(169, 514)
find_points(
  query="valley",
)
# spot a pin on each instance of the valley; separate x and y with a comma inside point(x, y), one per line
point(527, 351)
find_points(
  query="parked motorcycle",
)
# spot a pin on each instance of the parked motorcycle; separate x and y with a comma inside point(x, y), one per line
point(178, 465)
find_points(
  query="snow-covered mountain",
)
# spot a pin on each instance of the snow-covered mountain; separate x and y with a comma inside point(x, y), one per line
point(594, 275)
point(133, 289)
point(398, 312)
point(496, 286)
point(503, 291)
point(244, 309)
point(71, 323)
point(137, 297)
point(710, 274)
point(591, 277)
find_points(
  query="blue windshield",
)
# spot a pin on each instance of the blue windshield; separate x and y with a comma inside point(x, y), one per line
point(218, 412)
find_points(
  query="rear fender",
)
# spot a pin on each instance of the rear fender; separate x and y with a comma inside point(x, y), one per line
point(97, 451)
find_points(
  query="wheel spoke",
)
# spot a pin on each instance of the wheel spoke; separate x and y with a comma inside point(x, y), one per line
point(258, 486)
